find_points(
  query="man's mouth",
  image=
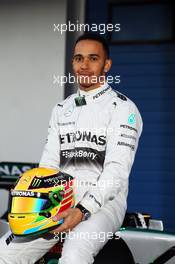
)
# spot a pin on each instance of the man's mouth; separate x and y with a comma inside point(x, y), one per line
point(85, 74)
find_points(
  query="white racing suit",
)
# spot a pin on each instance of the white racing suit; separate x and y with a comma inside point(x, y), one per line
point(94, 141)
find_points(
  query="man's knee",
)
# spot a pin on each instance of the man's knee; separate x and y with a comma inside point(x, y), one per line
point(5, 259)
point(77, 256)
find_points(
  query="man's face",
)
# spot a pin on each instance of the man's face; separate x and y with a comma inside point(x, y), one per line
point(90, 64)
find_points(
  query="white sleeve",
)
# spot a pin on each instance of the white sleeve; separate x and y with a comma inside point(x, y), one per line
point(123, 135)
point(51, 153)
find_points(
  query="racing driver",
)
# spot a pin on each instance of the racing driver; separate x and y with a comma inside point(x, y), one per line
point(93, 135)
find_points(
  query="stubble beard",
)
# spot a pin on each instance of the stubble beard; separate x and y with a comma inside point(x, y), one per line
point(90, 85)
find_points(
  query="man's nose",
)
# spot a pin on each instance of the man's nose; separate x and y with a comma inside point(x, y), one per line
point(85, 64)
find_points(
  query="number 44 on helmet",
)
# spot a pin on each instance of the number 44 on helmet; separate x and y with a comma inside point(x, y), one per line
point(38, 195)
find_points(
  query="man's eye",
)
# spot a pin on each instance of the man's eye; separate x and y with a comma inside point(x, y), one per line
point(93, 58)
point(77, 59)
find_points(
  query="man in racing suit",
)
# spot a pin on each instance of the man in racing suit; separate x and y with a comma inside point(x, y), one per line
point(93, 135)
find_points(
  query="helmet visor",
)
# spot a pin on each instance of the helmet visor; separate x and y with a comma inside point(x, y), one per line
point(30, 204)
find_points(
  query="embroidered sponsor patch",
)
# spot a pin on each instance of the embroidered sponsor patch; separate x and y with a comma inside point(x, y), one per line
point(131, 119)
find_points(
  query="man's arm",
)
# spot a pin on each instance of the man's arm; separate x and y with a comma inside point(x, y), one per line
point(123, 135)
point(51, 159)
point(51, 153)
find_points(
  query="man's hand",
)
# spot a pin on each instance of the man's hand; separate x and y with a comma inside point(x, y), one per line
point(71, 217)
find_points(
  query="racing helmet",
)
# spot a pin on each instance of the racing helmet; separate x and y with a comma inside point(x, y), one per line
point(38, 195)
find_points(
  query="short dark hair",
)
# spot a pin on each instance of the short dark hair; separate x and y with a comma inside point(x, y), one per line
point(95, 37)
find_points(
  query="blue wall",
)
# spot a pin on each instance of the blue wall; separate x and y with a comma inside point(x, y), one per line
point(147, 78)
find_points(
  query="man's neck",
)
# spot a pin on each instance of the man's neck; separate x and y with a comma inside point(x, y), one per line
point(90, 88)
point(93, 91)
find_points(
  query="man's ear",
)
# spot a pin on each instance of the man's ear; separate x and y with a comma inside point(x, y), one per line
point(108, 64)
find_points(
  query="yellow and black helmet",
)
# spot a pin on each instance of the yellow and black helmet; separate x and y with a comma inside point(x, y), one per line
point(39, 194)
